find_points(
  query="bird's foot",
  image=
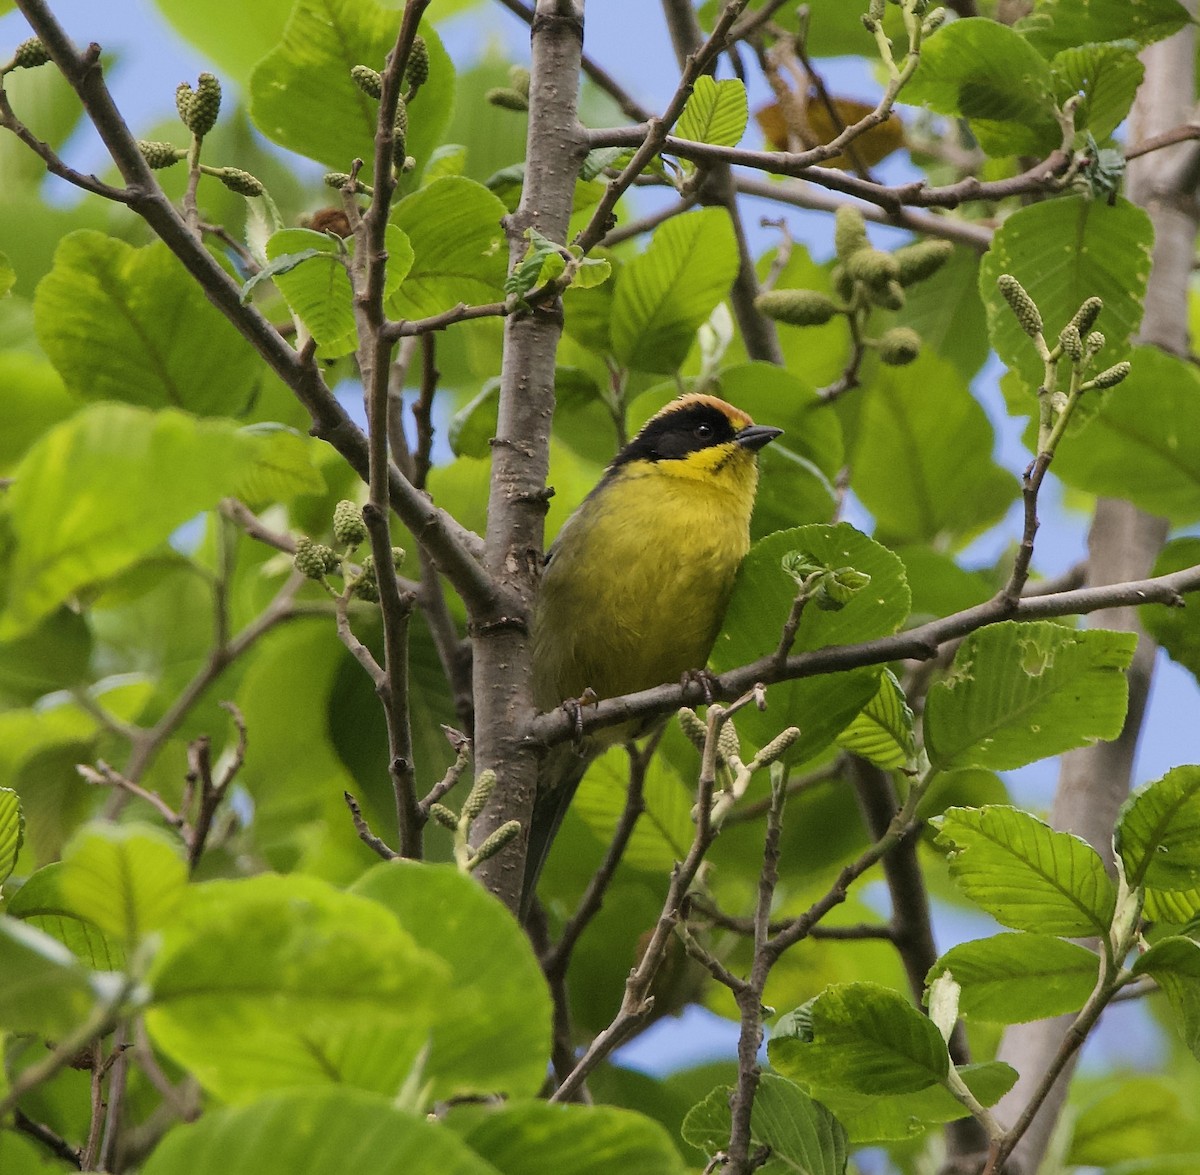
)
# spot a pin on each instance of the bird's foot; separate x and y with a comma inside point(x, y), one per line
point(705, 679)
point(574, 708)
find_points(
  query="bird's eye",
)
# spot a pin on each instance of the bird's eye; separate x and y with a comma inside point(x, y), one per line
point(704, 432)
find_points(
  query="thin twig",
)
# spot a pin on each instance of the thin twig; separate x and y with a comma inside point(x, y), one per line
point(374, 843)
point(52, 1141)
point(921, 643)
point(556, 961)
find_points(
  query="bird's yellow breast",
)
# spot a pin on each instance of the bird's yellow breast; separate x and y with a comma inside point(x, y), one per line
point(637, 583)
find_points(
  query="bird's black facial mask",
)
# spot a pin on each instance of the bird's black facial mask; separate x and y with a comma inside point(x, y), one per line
point(674, 435)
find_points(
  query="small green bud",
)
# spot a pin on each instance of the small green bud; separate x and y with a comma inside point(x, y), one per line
point(198, 108)
point(777, 746)
point(400, 134)
point(875, 9)
point(1112, 376)
point(1022, 305)
point(1086, 315)
point(1094, 344)
point(933, 22)
point(416, 72)
point(889, 297)
point(503, 835)
point(507, 98)
point(899, 346)
point(409, 163)
point(868, 23)
point(842, 282)
point(314, 560)
point(518, 79)
point(874, 267)
point(922, 260)
point(797, 307)
point(485, 783)
point(369, 80)
point(1071, 343)
point(348, 526)
point(30, 54)
point(158, 155)
point(849, 232)
point(444, 816)
point(365, 588)
point(693, 726)
point(728, 746)
point(240, 181)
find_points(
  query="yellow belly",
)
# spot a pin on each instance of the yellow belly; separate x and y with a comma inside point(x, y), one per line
point(638, 581)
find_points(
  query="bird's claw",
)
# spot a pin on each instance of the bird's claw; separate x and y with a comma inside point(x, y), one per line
point(705, 679)
point(574, 708)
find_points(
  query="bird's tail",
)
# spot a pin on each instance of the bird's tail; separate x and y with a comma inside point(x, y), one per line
point(559, 776)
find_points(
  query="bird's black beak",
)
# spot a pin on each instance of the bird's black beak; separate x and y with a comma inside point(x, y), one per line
point(755, 436)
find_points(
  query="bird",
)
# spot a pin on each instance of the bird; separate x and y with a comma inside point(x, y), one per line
point(634, 588)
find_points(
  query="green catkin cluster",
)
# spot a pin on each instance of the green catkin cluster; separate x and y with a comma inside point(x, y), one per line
point(348, 526)
point(416, 72)
point(1022, 305)
point(797, 307)
point(507, 98)
point(240, 181)
point(198, 108)
point(369, 80)
point(315, 560)
point(1086, 315)
point(400, 134)
point(1071, 343)
point(158, 155)
point(899, 346)
point(1112, 376)
point(922, 260)
point(30, 54)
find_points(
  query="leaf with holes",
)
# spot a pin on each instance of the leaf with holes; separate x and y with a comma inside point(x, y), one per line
point(1018, 692)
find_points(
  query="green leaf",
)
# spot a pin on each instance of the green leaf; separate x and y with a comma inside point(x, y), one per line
point(882, 732)
point(1176, 629)
point(1063, 251)
point(1174, 964)
point(8, 276)
point(494, 979)
point(821, 706)
point(1026, 874)
point(316, 1131)
point(43, 988)
point(864, 1037)
point(35, 399)
point(1132, 1117)
point(316, 286)
point(278, 981)
point(525, 1137)
point(803, 1137)
point(665, 831)
point(279, 465)
point(12, 831)
point(1015, 978)
point(1106, 75)
point(1060, 24)
point(453, 226)
point(715, 113)
point(206, 24)
point(1144, 442)
point(40, 903)
point(945, 310)
point(146, 473)
point(1018, 692)
point(129, 324)
point(127, 879)
point(664, 294)
point(449, 159)
point(871, 1118)
point(984, 72)
point(1158, 832)
point(303, 97)
point(916, 423)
